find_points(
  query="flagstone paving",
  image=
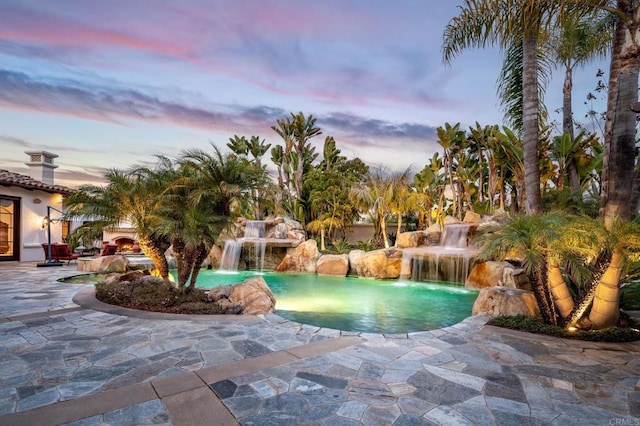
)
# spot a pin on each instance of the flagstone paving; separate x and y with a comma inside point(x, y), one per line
point(68, 359)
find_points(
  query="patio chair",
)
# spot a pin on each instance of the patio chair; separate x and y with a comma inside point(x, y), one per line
point(59, 251)
point(109, 249)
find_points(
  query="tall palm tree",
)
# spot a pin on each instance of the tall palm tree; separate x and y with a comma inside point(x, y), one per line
point(297, 156)
point(506, 23)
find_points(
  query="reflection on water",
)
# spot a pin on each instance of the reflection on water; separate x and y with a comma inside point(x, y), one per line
point(363, 305)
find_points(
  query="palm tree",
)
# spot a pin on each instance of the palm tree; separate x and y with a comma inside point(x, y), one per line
point(616, 202)
point(374, 196)
point(452, 140)
point(203, 200)
point(505, 23)
point(297, 155)
point(401, 201)
point(528, 237)
point(322, 224)
point(623, 238)
point(128, 197)
point(579, 39)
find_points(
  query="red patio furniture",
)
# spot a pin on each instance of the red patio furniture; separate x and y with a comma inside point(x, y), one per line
point(59, 252)
point(109, 249)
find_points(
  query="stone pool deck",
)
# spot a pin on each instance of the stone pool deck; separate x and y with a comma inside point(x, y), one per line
point(67, 359)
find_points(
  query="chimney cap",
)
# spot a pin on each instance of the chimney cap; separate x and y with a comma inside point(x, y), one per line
point(44, 158)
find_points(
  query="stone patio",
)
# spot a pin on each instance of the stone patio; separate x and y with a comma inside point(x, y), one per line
point(66, 358)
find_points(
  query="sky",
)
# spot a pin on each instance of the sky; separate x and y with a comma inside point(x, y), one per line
point(110, 84)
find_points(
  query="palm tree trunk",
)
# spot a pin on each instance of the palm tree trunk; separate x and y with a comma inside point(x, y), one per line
point(605, 310)
point(620, 128)
point(561, 295)
point(601, 264)
point(180, 252)
point(530, 121)
point(383, 229)
point(635, 197)
point(322, 246)
point(201, 254)
point(156, 254)
point(398, 229)
point(543, 296)
point(567, 112)
point(567, 127)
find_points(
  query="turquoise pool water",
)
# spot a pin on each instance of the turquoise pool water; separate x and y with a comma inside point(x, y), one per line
point(357, 304)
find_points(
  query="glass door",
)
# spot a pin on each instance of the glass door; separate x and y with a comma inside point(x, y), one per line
point(9, 228)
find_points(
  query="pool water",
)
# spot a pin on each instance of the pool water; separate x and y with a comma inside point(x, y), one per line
point(358, 304)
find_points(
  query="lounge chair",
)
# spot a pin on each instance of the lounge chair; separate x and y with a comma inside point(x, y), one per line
point(59, 251)
point(109, 249)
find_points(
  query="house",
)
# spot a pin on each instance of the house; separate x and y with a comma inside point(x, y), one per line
point(24, 202)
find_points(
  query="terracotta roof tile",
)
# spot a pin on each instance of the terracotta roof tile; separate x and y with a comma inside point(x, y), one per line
point(8, 178)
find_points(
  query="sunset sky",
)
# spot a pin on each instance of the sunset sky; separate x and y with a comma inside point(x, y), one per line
point(107, 84)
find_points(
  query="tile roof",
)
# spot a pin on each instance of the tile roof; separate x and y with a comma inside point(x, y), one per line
point(8, 178)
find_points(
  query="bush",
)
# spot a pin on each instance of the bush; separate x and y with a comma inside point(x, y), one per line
point(532, 325)
point(368, 245)
point(154, 296)
point(341, 246)
point(630, 297)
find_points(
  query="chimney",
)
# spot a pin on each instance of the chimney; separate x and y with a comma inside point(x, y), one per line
point(41, 165)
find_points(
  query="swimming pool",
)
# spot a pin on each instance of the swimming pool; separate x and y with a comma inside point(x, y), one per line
point(358, 304)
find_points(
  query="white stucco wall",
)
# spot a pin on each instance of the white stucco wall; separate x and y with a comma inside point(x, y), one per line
point(31, 214)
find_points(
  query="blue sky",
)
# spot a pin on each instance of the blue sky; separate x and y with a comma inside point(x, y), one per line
point(108, 84)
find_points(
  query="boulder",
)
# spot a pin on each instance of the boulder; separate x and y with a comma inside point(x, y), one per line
point(302, 259)
point(251, 297)
point(171, 258)
point(384, 263)
point(433, 234)
point(104, 264)
point(411, 239)
point(496, 301)
point(501, 274)
point(450, 220)
point(355, 259)
point(130, 276)
point(213, 259)
point(472, 217)
point(333, 264)
point(280, 231)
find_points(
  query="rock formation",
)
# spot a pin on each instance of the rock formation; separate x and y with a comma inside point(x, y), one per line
point(302, 259)
point(411, 239)
point(333, 264)
point(251, 297)
point(104, 264)
point(496, 301)
point(385, 263)
point(501, 274)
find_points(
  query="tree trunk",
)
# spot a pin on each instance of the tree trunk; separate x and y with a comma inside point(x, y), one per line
point(322, 246)
point(530, 121)
point(383, 229)
point(620, 128)
point(561, 295)
point(543, 296)
point(567, 127)
point(600, 266)
point(605, 310)
point(567, 112)
point(201, 254)
point(398, 230)
point(156, 254)
point(635, 197)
